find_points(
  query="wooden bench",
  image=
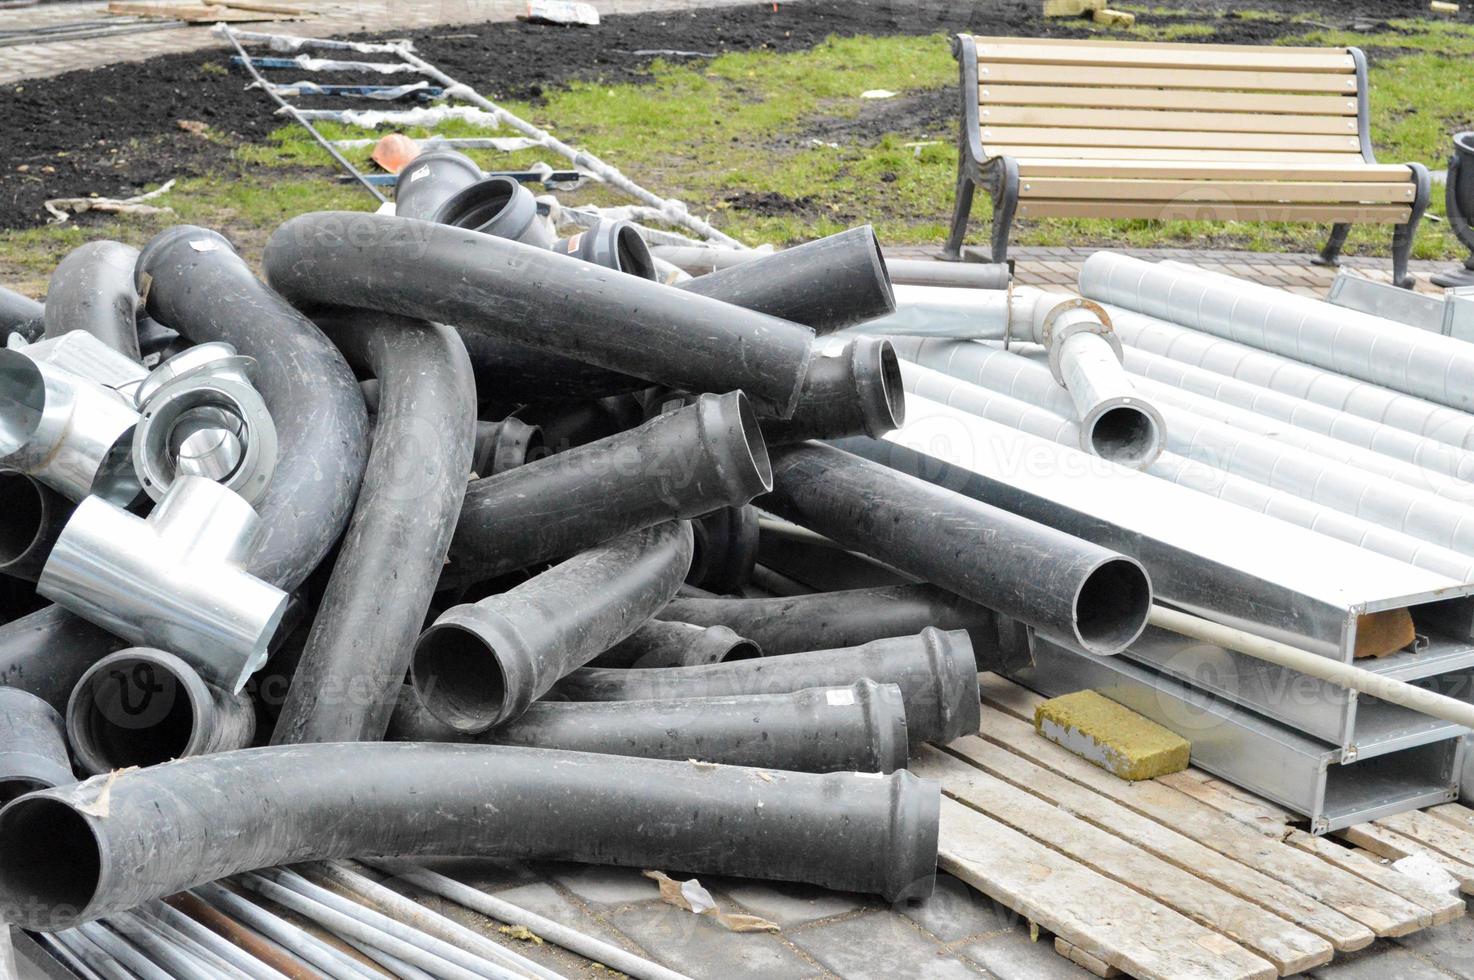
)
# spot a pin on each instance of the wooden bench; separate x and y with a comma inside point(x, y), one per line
point(1216, 132)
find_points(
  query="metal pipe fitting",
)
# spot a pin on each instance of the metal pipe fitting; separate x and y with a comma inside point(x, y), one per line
point(198, 285)
point(699, 260)
point(935, 670)
point(505, 445)
point(484, 284)
point(498, 206)
point(859, 727)
point(35, 515)
point(70, 433)
point(659, 643)
point(85, 356)
point(430, 179)
point(174, 580)
point(1070, 590)
point(91, 290)
point(482, 664)
point(682, 464)
point(827, 284)
point(61, 864)
point(142, 707)
point(612, 244)
point(202, 416)
point(33, 745)
point(394, 549)
point(854, 390)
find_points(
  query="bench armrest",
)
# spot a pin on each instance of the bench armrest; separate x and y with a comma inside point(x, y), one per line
point(970, 140)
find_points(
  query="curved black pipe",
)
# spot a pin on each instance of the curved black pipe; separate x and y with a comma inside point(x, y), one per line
point(860, 727)
point(61, 864)
point(197, 284)
point(678, 465)
point(92, 289)
point(483, 284)
point(827, 284)
point(661, 643)
point(482, 664)
point(35, 515)
point(33, 746)
point(853, 392)
point(568, 424)
point(143, 707)
point(20, 313)
point(826, 620)
point(935, 670)
point(504, 445)
point(429, 180)
point(612, 244)
point(395, 546)
point(726, 549)
point(499, 206)
point(47, 651)
point(1070, 590)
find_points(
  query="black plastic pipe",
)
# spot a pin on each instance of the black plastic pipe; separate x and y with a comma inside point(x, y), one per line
point(726, 549)
point(482, 664)
point(171, 827)
point(143, 707)
point(34, 517)
point(935, 670)
point(1071, 590)
point(431, 179)
point(19, 312)
point(856, 391)
point(827, 284)
point(568, 424)
point(197, 284)
point(686, 463)
point(483, 284)
point(92, 290)
point(612, 244)
point(661, 643)
point(33, 745)
point(504, 445)
point(860, 727)
point(499, 206)
point(45, 653)
point(395, 547)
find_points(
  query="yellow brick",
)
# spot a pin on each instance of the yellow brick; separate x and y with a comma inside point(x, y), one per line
point(1112, 736)
point(1071, 8)
point(1113, 18)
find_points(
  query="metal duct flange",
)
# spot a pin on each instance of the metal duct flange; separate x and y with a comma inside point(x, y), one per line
point(70, 433)
point(202, 417)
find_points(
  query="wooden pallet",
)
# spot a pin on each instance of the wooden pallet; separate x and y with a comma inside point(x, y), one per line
point(1183, 876)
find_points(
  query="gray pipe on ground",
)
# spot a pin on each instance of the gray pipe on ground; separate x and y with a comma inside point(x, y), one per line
point(61, 863)
point(92, 290)
point(660, 643)
point(33, 745)
point(19, 312)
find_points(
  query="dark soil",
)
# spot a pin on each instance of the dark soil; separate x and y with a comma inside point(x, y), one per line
point(114, 131)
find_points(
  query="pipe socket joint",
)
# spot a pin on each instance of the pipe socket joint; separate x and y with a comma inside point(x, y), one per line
point(612, 244)
point(174, 580)
point(1057, 323)
point(70, 433)
point(497, 206)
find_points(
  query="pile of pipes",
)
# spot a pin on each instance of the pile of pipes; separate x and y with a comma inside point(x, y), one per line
point(445, 540)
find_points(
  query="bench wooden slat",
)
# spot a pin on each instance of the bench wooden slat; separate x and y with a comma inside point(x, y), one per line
point(1209, 211)
point(1155, 98)
point(1194, 78)
point(1161, 56)
point(1162, 120)
point(1110, 42)
point(1216, 169)
point(1044, 136)
point(1180, 154)
point(1264, 191)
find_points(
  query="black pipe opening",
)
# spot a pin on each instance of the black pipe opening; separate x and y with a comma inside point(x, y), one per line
point(478, 206)
point(1112, 605)
point(26, 507)
point(633, 254)
point(134, 713)
point(757, 446)
point(457, 672)
point(52, 858)
point(11, 789)
point(891, 386)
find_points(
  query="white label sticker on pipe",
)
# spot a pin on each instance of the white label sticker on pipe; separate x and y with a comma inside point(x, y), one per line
point(419, 173)
point(840, 697)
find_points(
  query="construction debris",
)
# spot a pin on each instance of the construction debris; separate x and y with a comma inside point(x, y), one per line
point(1113, 18)
point(62, 208)
point(1113, 737)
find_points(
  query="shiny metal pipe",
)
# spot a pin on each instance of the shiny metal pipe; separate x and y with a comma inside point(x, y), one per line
point(86, 356)
point(173, 581)
point(70, 433)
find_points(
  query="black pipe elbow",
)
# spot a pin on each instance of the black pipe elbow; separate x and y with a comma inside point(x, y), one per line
point(707, 455)
point(935, 671)
point(857, 728)
point(92, 290)
point(482, 664)
point(660, 643)
point(499, 206)
point(855, 391)
point(198, 285)
point(534, 297)
point(45, 652)
point(505, 445)
point(35, 515)
point(827, 284)
point(614, 245)
point(20, 313)
point(33, 746)
point(429, 180)
point(61, 864)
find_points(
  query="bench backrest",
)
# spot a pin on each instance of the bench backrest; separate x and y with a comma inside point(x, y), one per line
point(1086, 99)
